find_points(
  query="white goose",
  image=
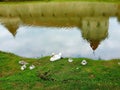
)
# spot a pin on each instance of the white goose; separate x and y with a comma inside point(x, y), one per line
point(70, 60)
point(22, 62)
point(56, 57)
point(31, 67)
point(23, 67)
point(84, 62)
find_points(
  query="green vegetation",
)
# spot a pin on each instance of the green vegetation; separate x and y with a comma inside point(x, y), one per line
point(59, 0)
point(62, 0)
point(58, 75)
point(56, 9)
point(61, 74)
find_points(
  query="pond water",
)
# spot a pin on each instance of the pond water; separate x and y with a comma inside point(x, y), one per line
point(96, 36)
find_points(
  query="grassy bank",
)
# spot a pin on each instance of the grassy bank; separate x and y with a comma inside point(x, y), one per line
point(56, 9)
point(63, 0)
point(40, 1)
point(58, 75)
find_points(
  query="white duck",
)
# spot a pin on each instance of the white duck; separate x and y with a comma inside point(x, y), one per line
point(22, 62)
point(70, 60)
point(31, 67)
point(23, 67)
point(56, 57)
point(84, 62)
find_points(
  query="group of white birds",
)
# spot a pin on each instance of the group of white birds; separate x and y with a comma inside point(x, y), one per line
point(83, 62)
point(54, 57)
point(24, 65)
point(58, 56)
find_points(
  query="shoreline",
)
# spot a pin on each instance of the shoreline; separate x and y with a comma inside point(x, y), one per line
point(12, 54)
point(58, 75)
point(57, 1)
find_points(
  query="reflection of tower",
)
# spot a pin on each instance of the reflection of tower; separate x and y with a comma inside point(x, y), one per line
point(12, 24)
point(94, 30)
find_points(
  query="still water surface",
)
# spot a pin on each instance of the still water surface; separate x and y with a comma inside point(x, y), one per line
point(75, 29)
point(37, 41)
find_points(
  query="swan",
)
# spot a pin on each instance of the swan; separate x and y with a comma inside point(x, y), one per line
point(84, 62)
point(23, 67)
point(56, 57)
point(70, 60)
point(31, 67)
point(22, 62)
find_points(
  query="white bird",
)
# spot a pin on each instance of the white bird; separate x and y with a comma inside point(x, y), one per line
point(22, 62)
point(84, 62)
point(70, 60)
point(23, 67)
point(31, 67)
point(56, 57)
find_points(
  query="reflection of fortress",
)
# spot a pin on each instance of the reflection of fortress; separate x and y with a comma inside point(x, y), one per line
point(94, 29)
point(92, 19)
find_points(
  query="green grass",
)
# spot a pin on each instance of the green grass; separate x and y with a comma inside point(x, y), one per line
point(66, 0)
point(56, 9)
point(58, 75)
point(40, 1)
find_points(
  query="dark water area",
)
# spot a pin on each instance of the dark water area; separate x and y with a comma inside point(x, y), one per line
point(91, 32)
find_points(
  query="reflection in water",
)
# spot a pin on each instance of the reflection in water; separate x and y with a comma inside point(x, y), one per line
point(12, 25)
point(65, 32)
point(33, 41)
point(94, 30)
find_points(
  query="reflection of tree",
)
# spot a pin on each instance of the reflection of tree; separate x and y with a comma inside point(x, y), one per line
point(94, 30)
